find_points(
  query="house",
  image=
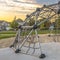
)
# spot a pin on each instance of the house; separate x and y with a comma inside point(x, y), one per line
point(4, 25)
point(1, 25)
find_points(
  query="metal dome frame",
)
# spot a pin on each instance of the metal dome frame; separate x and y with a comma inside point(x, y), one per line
point(38, 13)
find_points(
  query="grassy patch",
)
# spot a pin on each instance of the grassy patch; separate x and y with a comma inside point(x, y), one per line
point(9, 34)
point(42, 32)
point(3, 36)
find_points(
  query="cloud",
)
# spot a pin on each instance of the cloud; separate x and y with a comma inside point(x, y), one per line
point(17, 7)
point(29, 1)
point(9, 4)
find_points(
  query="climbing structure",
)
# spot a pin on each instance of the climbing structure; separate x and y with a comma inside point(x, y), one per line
point(27, 40)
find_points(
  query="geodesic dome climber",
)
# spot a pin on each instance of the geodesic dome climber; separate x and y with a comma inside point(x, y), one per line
point(27, 39)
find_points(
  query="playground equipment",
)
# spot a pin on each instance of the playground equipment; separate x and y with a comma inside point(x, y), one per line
point(27, 36)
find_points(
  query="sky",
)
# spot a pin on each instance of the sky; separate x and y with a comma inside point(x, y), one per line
point(20, 8)
point(47, 1)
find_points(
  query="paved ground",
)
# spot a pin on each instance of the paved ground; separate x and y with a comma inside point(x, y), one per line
point(6, 42)
point(43, 38)
point(51, 50)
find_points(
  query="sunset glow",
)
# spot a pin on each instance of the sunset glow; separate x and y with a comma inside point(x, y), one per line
point(19, 8)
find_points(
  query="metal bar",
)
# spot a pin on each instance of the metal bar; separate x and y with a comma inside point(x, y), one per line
point(32, 14)
point(27, 27)
point(31, 47)
point(19, 34)
point(45, 20)
point(25, 39)
point(16, 37)
point(28, 47)
point(38, 41)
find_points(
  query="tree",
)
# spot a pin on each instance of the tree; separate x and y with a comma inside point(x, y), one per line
point(47, 24)
point(31, 22)
point(44, 25)
point(14, 24)
point(19, 21)
point(57, 23)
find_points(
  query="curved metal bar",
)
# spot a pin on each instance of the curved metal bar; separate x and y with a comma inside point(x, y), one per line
point(25, 40)
point(45, 20)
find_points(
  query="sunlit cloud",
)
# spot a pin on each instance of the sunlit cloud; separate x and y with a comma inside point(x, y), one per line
point(17, 7)
point(9, 5)
point(29, 1)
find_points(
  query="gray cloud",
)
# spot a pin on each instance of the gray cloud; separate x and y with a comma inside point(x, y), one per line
point(15, 6)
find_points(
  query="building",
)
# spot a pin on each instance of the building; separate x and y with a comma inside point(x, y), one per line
point(4, 25)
